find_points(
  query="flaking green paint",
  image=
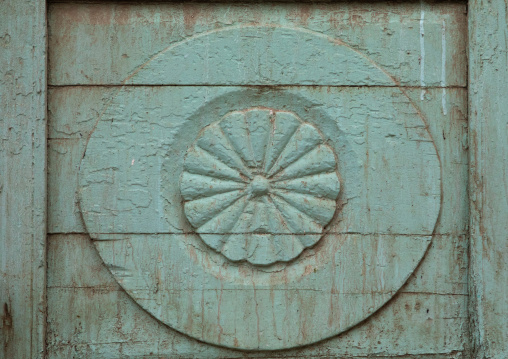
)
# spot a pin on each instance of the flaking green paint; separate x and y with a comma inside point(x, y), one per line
point(372, 135)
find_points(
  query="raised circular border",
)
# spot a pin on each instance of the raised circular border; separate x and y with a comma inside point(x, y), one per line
point(263, 277)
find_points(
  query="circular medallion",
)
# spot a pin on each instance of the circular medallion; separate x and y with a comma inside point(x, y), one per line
point(218, 205)
point(260, 185)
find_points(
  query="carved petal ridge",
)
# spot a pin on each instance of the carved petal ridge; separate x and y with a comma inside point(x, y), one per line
point(260, 185)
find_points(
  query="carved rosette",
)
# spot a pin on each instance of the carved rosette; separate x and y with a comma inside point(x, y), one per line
point(260, 185)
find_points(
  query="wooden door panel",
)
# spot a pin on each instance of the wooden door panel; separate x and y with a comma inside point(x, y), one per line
point(431, 307)
point(101, 320)
point(119, 38)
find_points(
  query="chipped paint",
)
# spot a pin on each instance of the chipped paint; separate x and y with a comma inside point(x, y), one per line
point(443, 68)
point(422, 52)
point(434, 294)
point(230, 153)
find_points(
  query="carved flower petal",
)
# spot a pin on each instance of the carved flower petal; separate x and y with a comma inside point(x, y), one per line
point(259, 125)
point(283, 127)
point(308, 240)
point(298, 221)
point(236, 130)
point(287, 246)
point(216, 241)
point(320, 159)
point(203, 210)
point(325, 185)
point(214, 141)
point(235, 247)
point(303, 140)
point(260, 220)
point(226, 220)
point(276, 221)
point(199, 161)
point(194, 186)
point(320, 209)
point(260, 249)
point(243, 224)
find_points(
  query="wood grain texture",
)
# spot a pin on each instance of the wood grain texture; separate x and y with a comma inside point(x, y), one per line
point(435, 46)
point(488, 143)
point(74, 110)
point(119, 38)
point(22, 178)
point(71, 123)
point(426, 320)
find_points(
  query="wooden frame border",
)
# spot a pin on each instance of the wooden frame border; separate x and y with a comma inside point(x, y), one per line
point(488, 177)
point(23, 177)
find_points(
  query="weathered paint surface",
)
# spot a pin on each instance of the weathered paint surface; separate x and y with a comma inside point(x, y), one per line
point(439, 291)
point(488, 142)
point(389, 35)
point(101, 320)
point(22, 178)
point(390, 201)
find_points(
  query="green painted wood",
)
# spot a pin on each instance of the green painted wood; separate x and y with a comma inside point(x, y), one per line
point(386, 213)
point(74, 110)
point(488, 144)
point(175, 118)
point(22, 178)
point(450, 133)
point(81, 289)
point(438, 289)
point(115, 49)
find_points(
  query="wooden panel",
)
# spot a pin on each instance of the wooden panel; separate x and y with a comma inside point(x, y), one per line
point(384, 154)
point(74, 111)
point(426, 320)
point(449, 131)
point(431, 47)
point(488, 142)
point(427, 38)
point(22, 178)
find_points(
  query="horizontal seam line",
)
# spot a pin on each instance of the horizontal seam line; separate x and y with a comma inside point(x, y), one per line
point(228, 233)
point(254, 86)
point(115, 288)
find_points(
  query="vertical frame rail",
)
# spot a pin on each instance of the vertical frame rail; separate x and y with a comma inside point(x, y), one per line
point(488, 179)
point(22, 178)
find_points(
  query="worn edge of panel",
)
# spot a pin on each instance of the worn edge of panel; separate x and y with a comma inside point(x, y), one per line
point(488, 170)
point(23, 185)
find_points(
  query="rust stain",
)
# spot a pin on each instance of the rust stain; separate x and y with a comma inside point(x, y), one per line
point(7, 325)
point(122, 15)
point(99, 15)
point(191, 12)
point(304, 11)
point(357, 20)
point(71, 15)
point(192, 253)
point(308, 270)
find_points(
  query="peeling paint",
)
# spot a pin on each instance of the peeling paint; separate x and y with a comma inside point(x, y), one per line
point(434, 295)
point(443, 68)
point(422, 52)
